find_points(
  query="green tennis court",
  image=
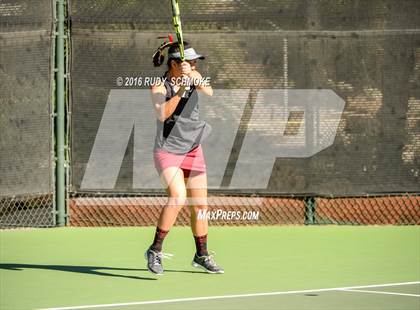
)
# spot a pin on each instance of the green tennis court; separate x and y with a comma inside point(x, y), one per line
point(288, 267)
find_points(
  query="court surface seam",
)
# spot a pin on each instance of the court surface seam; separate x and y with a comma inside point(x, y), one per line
point(349, 288)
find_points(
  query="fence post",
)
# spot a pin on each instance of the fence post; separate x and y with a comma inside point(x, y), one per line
point(60, 123)
point(310, 206)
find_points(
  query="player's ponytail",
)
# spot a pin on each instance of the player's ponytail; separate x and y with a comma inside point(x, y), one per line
point(159, 55)
point(173, 47)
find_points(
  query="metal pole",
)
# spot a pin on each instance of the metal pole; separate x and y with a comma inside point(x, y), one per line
point(60, 132)
point(310, 206)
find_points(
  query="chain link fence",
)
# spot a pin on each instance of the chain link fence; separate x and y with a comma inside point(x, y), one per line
point(132, 210)
point(122, 210)
point(366, 52)
point(26, 114)
point(27, 211)
point(246, 15)
point(391, 210)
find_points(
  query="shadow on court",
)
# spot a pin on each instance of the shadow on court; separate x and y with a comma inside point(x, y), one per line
point(92, 270)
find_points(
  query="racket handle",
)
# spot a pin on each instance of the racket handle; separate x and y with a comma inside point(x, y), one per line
point(187, 87)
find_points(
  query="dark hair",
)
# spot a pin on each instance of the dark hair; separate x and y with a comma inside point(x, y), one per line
point(159, 55)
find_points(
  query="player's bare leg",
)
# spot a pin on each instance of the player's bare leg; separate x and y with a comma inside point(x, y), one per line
point(197, 199)
point(173, 180)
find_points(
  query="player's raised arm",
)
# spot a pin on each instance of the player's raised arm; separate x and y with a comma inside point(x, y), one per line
point(164, 108)
point(203, 85)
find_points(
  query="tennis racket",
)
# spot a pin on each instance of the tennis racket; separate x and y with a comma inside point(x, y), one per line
point(176, 20)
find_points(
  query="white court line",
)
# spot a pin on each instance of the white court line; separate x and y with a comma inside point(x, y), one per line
point(229, 296)
point(379, 292)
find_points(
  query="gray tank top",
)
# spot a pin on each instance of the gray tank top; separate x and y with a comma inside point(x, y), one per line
point(183, 130)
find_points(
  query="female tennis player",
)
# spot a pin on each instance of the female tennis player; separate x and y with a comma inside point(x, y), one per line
point(178, 155)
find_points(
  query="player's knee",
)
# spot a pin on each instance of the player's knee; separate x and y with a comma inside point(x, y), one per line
point(178, 198)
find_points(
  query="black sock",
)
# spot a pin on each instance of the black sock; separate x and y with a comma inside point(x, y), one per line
point(158, 241)
point(201, 245)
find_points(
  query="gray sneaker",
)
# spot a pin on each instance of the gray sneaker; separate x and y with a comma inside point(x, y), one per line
point(154, 261)
point(206, 263)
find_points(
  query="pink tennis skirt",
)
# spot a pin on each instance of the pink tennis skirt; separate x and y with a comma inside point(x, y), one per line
point(193, 161)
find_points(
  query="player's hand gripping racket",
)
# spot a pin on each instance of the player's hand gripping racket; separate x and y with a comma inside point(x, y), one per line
point(176, 20)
